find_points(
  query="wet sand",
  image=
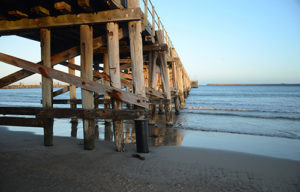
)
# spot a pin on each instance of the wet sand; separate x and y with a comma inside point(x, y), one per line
point(26, 165)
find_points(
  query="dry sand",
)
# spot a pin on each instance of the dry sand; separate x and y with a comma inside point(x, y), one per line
point(26, 165)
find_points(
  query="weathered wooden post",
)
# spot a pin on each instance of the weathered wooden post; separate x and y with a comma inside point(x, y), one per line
point(189, 83)
point(165, 80)
point(186, 84)
point(128, 89)
point(170, 76)
point(108, 135)
point(153, 82)
point(158, 23)
point(180, 83)
point(86, 48)
point(146, 13)
point(115, 80)
point(150, 55)
point(136, 51)
point(146, 74)
point(74, 121)
point(173, 69)
point(153, 25)
point(47, 84)
point(175, 86)
point(106, 80)
point(159, 82)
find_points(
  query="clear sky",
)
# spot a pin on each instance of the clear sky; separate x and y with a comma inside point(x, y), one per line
point(221, 41)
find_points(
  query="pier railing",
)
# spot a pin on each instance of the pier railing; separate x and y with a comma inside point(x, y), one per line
point(156, 23)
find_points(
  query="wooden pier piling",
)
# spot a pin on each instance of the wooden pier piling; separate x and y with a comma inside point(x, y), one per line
point(153, 82)
point(115, 80)
point(180, 84)
point(137, 66)
point(165, 79)
point(86, 48)
point(47, 84)
point(74, 121)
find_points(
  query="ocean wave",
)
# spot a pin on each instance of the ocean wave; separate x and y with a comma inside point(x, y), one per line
point(235, 109)
point(244, 115)
point(285, 135)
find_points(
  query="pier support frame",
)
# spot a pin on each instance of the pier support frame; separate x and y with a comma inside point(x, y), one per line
point(47, 84)
point(86, 47)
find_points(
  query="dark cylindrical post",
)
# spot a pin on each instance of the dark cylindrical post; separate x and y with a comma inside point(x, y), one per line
point(141, 131)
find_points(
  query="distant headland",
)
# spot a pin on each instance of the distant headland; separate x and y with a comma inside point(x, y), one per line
point(253, 84)
point(30, 86)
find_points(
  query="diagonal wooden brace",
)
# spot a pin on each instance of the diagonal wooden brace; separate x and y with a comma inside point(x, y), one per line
point(114, 93)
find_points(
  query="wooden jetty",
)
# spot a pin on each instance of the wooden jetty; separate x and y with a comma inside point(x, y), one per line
point(126, 57)
point(194, 84)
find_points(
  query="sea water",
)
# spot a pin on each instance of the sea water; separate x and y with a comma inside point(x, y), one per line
point(272, 111)
point(262, 120)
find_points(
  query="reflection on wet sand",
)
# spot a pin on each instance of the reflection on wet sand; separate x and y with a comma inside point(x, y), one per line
point(159, 133)
point(108, 133)
point(74, 124)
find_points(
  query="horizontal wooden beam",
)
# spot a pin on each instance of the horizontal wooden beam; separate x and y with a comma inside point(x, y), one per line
point(173, 59)
point(79, 101)
point(113, 114)
point(72, 19)
point(123, 114)
point(19, 110)
point(126, 49)
point(114, 93)
point(159, 101)
point(155, 93)
point(20, 121)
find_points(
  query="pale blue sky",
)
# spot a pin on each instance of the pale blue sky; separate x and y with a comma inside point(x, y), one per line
point(221, 41)
point(236, 41)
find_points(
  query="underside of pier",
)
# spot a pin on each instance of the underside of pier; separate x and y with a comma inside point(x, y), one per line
point(126, 57)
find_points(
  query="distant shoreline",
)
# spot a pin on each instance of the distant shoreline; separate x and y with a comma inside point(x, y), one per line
point(253, 84)
point(24, 86)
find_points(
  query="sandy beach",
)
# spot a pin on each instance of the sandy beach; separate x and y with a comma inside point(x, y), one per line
point(26, 165)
